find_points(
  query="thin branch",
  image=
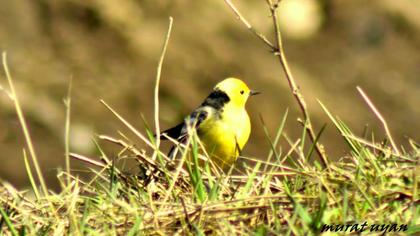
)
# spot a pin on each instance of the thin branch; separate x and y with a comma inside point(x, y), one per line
point(292, 84)
point(249, 26)
point(279, 52)
point(380, 117)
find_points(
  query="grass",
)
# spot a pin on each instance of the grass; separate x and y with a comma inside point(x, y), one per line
point(370, 184)
point(285, 193)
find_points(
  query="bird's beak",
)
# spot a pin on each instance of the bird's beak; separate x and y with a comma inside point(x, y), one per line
point(253, 92)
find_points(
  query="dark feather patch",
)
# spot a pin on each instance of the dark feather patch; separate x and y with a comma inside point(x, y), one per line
point(217, 99)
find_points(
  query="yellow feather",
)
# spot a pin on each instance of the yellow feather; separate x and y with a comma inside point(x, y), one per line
point(225, 138)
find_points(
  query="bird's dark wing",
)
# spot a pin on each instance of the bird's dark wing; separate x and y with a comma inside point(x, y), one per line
point(173, 132)
point(212, 105)
point(179, 131)
point(216, 100)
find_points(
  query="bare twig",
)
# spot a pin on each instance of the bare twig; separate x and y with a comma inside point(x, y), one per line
point(248, 25)
point(380, 117)
point(292, 84)
point(279, 52)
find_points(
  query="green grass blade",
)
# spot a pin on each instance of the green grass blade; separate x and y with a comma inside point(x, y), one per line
point(312, 148)
point(135, 230)
point(8, 222)
point(200, 190)
point(245, 191)
point(274, 144)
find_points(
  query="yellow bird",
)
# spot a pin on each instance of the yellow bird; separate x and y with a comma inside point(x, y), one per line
point(221, 122)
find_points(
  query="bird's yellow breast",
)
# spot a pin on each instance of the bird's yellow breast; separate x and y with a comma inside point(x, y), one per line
point(225, 134)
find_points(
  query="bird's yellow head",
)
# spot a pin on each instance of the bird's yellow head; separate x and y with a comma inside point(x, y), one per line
point(237, 91)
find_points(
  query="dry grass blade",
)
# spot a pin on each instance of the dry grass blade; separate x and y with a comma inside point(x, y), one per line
point(87, 160)
point(67, 103)
point(158, 75)
point(24, 126)
point(134, 130)
point(126, 146)
point(380, 117)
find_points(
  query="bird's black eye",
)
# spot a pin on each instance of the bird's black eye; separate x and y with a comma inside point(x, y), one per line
point(242, 92)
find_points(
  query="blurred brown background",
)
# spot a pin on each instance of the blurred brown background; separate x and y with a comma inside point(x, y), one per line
point(111, 48)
